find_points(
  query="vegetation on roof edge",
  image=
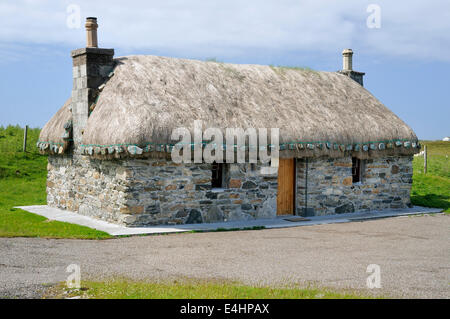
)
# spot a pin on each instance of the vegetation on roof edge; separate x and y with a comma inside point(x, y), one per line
point(283, 67)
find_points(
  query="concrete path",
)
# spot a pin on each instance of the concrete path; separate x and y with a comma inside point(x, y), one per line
point(413, 253)
point(280, 222)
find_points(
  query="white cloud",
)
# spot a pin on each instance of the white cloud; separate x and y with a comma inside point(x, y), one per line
point(413, 28)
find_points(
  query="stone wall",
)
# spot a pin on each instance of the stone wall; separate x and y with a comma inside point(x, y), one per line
point(386, 184)
point(90, 187)
point(151, 192)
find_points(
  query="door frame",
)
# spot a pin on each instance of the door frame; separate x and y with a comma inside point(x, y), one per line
point(295, 185)
point(294, 212)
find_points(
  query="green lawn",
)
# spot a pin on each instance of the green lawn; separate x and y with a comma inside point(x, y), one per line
point(22, 182)
point(125, 289)
point(432, 189)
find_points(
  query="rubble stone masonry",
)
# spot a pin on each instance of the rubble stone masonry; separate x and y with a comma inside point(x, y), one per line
point(151, 192)
point(138, 192)
point(385, 184)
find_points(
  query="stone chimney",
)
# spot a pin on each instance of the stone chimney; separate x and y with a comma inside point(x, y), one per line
point(91, 68)
point(347, 67)
point(91, 32)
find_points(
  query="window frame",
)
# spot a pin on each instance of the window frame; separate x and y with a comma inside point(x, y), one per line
point(221, 179)
point(357, 170)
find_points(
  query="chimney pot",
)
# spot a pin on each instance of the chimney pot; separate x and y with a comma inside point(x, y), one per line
point(91, 32)
point(347, 69)
point(347, 56)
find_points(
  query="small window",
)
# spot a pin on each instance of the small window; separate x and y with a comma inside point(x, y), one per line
point(217, 175)
point(356, 170)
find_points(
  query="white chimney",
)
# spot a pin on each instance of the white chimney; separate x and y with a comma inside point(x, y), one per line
point(91, 32)
point(347, 57)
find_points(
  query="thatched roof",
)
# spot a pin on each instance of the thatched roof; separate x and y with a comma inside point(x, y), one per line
point(52, 136)
point(149, 96)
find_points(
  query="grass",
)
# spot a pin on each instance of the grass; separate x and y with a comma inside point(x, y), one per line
point(126, 289)
point(280, 69)
point(213, 59)
point(22, 182)
point(297, 68)
point(432, 189)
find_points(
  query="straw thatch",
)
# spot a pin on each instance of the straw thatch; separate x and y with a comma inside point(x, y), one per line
point(51, 138)
point(148, 97)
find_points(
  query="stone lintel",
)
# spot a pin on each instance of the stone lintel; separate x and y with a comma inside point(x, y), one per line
point(347, 72)
point(82, 51)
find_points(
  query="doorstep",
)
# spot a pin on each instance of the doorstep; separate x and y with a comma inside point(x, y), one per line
point(278, 222)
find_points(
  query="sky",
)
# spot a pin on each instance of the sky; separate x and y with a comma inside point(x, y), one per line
point(402, 46)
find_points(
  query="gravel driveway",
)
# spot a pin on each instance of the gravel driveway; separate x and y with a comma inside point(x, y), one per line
point(413, 253)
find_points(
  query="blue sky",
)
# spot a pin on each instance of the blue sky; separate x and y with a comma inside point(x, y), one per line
point(406, 60)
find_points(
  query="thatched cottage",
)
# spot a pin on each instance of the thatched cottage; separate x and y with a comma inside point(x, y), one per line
point(109, 146)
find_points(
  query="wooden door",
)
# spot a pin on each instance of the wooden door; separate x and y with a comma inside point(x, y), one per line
point(286, 187)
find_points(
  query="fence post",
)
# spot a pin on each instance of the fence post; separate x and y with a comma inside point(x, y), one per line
point(25, 139)
point(425, 160)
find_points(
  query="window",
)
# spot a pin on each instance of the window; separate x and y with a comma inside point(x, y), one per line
point(356, 170)
point(217, 175)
